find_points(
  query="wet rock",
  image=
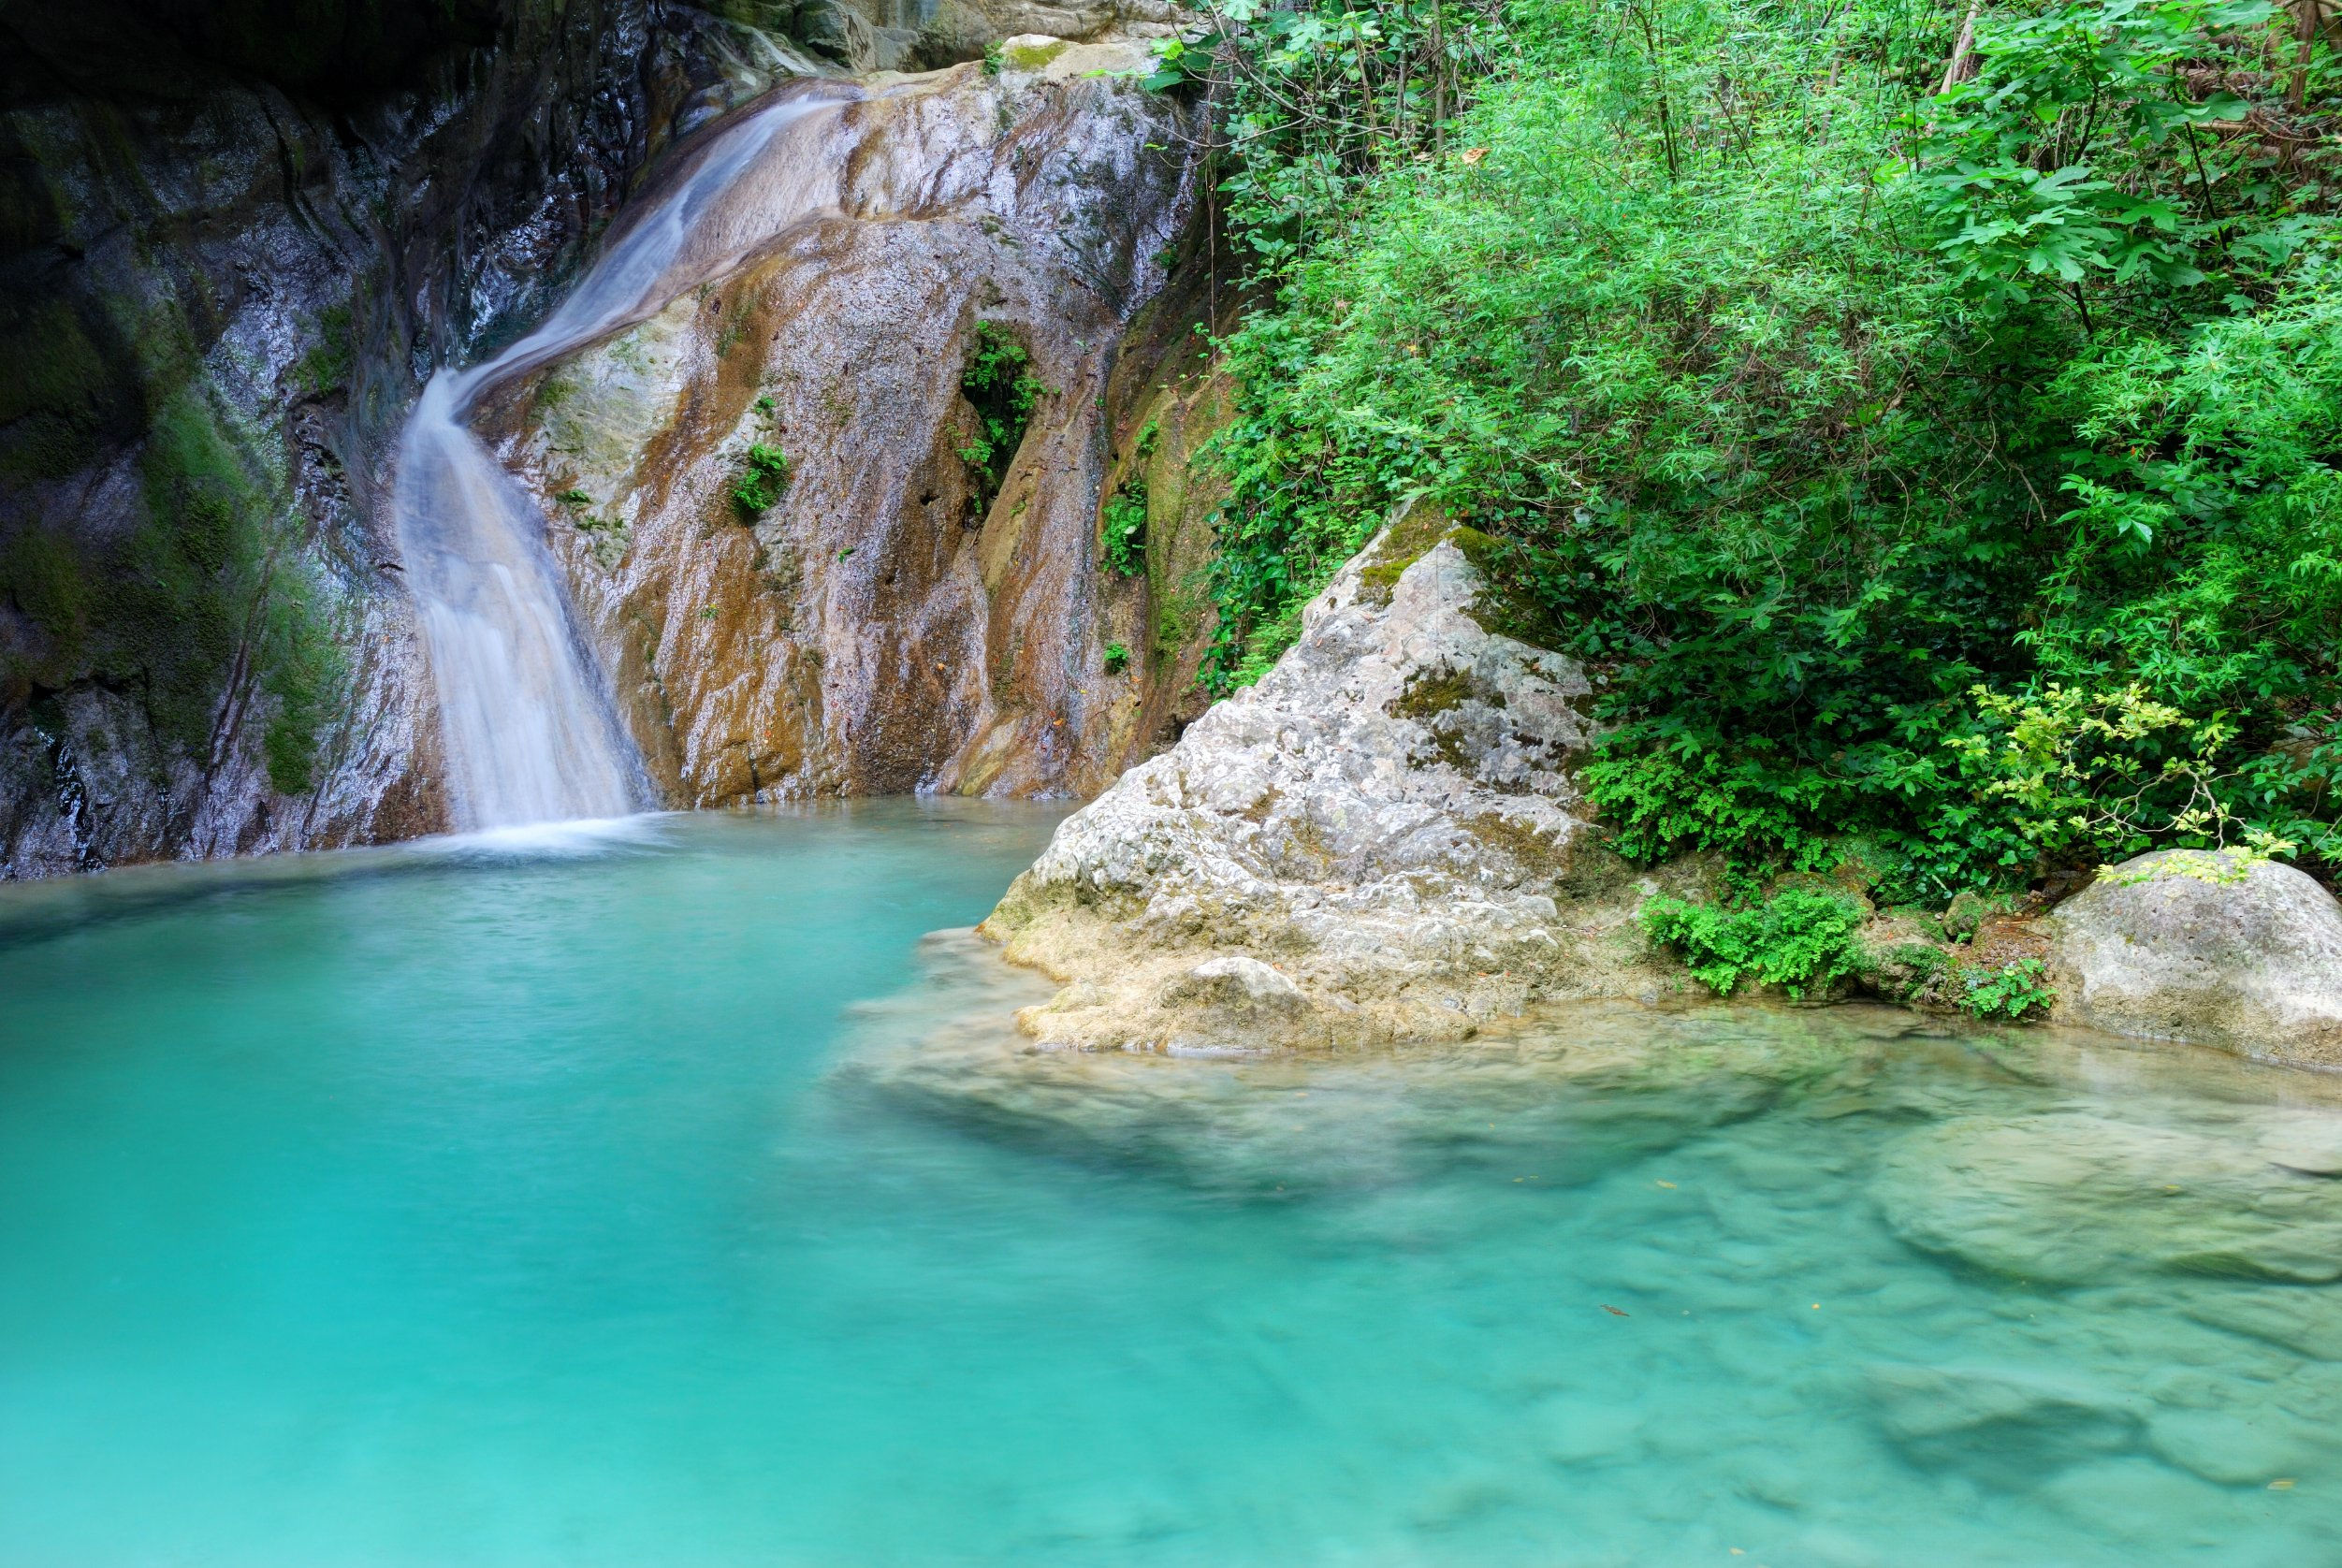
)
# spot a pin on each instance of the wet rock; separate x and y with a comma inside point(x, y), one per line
point(2139, 1499)
point(891, 615)
point(1387, 818)
point(2077, 1199)
point(2213, 947)
point(1239, 993)
point(1570, 1429)
point(2311, 1146)
point(234, 249)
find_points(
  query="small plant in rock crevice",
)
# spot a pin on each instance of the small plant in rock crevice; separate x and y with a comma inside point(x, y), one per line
point(1123, 531)
point(2012, 991)
point(1123, 525)
point(1000, 385)
point(1117, 658)
point(762, 477)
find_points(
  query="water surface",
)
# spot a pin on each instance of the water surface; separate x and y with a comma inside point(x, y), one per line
point(661, 1197)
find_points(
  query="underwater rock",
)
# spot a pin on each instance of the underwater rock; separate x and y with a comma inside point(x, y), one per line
point(2064, 1198)
point(2307, 1322)
point(2230, 1447)
point(2009, 1425)
point(2209, 947)
point(1387, 820)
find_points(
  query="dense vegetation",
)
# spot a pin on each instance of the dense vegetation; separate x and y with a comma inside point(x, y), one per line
point(1923, 418)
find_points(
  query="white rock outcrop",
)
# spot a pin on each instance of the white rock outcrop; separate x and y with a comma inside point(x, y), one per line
point(1375, 842)
point(2214, 947)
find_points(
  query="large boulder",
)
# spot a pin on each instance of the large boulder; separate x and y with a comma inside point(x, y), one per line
point(1379, 841)
point(2217, 948)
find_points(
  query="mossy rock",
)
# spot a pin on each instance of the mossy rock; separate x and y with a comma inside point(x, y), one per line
point(1021, 56)
point(1412, 534)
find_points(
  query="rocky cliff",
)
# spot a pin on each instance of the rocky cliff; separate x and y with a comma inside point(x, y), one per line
point(833, 516)
point(237, 238)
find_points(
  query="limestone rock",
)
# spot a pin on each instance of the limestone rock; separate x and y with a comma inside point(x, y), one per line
point(2206, 947)
point(2306, 1322)
point(2229, 1447)
point(1385, 824)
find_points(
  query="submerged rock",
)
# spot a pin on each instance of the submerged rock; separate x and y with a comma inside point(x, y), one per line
point(1386, 822)
point(2010, 1425)
point(2064, 1198)
point(2213, 947)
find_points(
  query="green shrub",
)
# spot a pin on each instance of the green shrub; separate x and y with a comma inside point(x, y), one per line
point(1797, 939)
point(1117, 658)
point(2011, 991)
point(1960, 470)
point(765, 473)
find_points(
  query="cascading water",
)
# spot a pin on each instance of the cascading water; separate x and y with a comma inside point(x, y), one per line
point(530, 734)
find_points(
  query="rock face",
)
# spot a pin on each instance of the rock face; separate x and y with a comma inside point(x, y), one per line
point(1376, 842)
point(238, 236)
point(2211, 948)
point(892, 615)
point(241, 235)
point(866, 35)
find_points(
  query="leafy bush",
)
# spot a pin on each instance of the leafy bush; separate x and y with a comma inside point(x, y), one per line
point(1795, 939)
point(2011, 991)
point(1117, 658)
point(1124, 531)
point(1956, 465)
point(764, 475)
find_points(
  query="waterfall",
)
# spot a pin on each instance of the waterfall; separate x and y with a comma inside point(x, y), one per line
point(532, 734)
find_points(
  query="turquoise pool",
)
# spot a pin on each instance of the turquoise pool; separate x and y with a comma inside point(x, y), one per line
point(658, 1196)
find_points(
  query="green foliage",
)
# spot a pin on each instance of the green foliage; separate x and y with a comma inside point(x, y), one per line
point(1124, 527)
point(2098, 776)
point(2011, 991)
point(999, 384)
point(1797, 939)
point(2090, 155)
point(1321, 97)
point(1122, 524)
point(1117, 658)
point(764, 474)
point(1958, 469)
